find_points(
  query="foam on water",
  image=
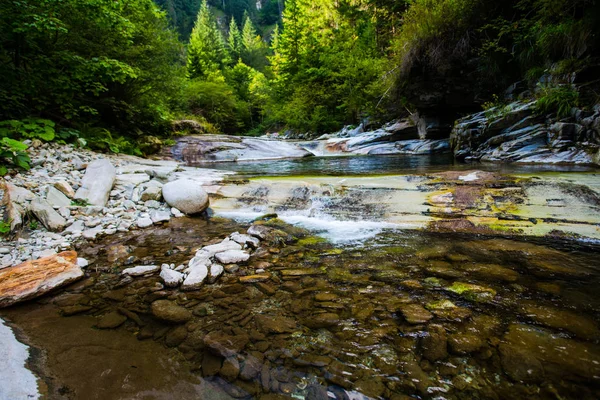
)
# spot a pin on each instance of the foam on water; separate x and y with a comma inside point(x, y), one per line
point(331, 229)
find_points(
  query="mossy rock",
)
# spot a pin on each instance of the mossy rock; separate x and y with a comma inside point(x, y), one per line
point(471, 292)
point(311, 241)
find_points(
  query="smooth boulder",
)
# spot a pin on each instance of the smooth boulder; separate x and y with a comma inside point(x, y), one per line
point(186, 195)
point(32, 279)
point(97, 183)
point(46, 214)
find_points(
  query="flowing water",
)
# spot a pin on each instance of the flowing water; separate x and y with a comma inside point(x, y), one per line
point(358, 311)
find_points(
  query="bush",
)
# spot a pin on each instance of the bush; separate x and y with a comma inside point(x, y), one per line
point(559, 99)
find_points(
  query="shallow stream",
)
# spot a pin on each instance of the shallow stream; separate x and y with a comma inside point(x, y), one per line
point(401, 314)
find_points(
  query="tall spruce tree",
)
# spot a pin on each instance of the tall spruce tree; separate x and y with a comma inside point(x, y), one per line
point(234, 41)
point(206, 51)
point(253, 48)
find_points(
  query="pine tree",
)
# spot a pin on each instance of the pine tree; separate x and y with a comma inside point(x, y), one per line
point(253, 53)
point(289, 42)
point(234, 41)
point(206, 51)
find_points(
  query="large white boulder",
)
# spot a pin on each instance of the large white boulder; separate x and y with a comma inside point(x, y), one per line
point(185, 195)
point(97, 183)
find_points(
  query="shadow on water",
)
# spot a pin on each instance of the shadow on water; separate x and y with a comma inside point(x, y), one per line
point(406, 315)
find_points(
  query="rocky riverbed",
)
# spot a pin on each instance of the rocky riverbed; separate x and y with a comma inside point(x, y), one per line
point(457, 284)
point(407, 315)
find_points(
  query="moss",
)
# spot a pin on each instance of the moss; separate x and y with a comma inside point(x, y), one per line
point(311, 241)
point(475, 293)
point(432, 281)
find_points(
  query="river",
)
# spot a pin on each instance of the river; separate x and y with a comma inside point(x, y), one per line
point(363, 300)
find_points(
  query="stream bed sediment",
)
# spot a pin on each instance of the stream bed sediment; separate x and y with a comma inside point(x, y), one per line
point(406, 314)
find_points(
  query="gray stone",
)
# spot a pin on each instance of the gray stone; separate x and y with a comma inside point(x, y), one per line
point(144, 222)
point(46, 214)
point(97, 183)
point(16, 381)
point(152, 193)
point(158, 216)
point(186, 195)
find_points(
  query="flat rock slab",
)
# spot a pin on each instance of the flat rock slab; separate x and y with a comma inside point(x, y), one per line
point(32, 279)
point(97, 183)
point(140, 270)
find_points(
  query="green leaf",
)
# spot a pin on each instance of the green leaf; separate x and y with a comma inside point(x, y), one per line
point(14, 145)
point(3, 170)
point(22, 160)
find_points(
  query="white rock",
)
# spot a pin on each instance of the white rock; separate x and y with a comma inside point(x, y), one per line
point(186, 195)
point(171, 278)
point(77, 226)
point(144, 222)
point(158, 216)
point(221, 247)
point(47, 215)
point(216, 270)
point(56, 198)
point(140, 270)
point(176, 213)
point(82, 262)
point(90, 234)
point(16, 381)
point(232, 256)
point(195, 278)
point(97, 183)
point(251, 241)
point(4, 250)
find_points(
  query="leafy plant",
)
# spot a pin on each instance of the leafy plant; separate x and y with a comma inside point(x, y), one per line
point(559, 99)
point(29, 128)
point(80, 202)
point(13, 153)
point(33, 225)
point(4, 227)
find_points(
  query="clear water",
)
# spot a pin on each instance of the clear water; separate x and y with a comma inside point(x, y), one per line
point(377, 165)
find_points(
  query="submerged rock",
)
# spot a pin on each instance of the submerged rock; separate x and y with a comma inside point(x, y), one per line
point(186, 195)
point(415, 314)
point(32, 279)
point(171, 278)
point(169, 311)
point(469, 291)
point(530, 354)
point(224, 345)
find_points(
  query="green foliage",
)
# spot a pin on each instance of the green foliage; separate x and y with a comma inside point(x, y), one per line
point(13, 154)
point(206, 51)
point(559, 99)
point(105, 63)
point(80, 202)
point(33, 225)
point(29, 128)
point(4, 228)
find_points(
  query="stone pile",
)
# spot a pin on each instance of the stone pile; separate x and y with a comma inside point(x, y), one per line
point(73, 195)
point(207, 265)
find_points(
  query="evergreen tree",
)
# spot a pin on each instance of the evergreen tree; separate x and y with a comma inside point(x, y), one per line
point(289, 42)
point(253, 48)
point(234, 41)
point(206, 51)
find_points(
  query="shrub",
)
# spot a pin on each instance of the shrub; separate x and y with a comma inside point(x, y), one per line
point(559, 99)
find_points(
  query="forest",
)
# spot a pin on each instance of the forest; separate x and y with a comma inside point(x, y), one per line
point(112, 75)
